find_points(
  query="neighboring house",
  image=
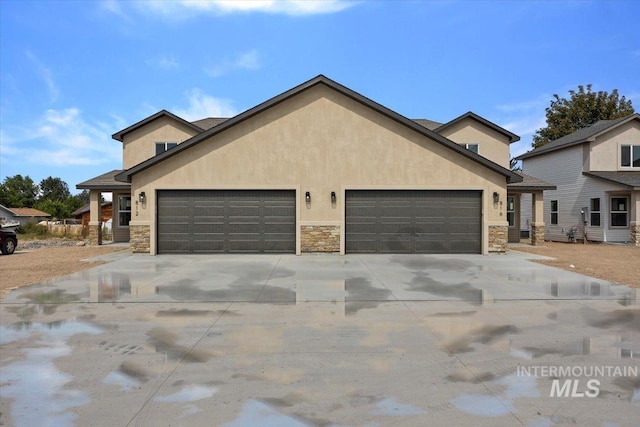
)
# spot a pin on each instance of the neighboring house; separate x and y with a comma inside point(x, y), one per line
point(83, 213)
point(318, 168)
point(22, 215)
point(597, 174)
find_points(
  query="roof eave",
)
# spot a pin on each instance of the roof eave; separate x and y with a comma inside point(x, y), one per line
point(320, 79)
point(470, 114)
point(119, 136)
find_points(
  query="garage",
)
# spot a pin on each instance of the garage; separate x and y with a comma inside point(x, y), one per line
point(413, 221)
point(226, 221)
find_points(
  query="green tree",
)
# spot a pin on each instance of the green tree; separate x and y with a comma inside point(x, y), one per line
point(583, 108)
point(59, 209)
point(54, 189)
point(18, 192)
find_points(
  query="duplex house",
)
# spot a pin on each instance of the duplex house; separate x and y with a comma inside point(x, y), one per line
point(318, 168)
point(597, 174)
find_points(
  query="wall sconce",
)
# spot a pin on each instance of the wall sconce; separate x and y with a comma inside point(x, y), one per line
point(333, 197)
point(142, 197)
point(496, 197)
point(307, 197)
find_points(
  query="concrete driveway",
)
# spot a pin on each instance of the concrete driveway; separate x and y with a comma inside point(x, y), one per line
point(321, 340)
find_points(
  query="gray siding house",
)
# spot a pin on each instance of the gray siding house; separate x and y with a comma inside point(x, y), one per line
point(596, 171)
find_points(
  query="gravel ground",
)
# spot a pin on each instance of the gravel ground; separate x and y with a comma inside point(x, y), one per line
point(38, 260)
point(616, 263)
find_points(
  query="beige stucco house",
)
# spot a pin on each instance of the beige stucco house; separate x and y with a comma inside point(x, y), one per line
point(597, 174)
point(318, 168)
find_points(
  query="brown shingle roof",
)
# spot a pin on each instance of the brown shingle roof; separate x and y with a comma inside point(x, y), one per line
point(106, 181)
point(28, 212)
point(530, 183)
point(209, 122)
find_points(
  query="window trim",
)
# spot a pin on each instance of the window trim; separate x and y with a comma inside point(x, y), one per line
point(632, 147)
point(120, 210)
point(554, 212)
point(611, 212)
point(593, 212)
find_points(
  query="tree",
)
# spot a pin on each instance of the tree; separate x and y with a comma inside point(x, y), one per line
point(18, 192)
point(54, 189)
point(582, 109)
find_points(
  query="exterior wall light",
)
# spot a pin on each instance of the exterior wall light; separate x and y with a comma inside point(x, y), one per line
point(142, 197)
point(496, 197)
point(333, 197)
point(307, 197)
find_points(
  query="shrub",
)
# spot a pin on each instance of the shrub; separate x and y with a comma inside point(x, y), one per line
point(33, 228)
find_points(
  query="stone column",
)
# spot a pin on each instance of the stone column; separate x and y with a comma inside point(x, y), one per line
point(498, 238)
point(95, 218)
point(634, 216)
point(537, 218)
point(140, 239)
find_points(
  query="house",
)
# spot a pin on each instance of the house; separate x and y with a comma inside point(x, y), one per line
point(318, 168)
point(83, 213)
point(597, 174)
point(22, 215)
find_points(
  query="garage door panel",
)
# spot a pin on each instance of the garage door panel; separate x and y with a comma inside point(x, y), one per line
point(413, 221)
point(224, 221)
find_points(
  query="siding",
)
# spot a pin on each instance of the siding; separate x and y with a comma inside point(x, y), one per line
point(564, 169)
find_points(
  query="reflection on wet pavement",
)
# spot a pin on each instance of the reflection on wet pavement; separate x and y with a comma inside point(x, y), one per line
point(310, 341)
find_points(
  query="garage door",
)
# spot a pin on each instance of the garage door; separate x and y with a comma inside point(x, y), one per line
point(407, 221)
point(238, 221)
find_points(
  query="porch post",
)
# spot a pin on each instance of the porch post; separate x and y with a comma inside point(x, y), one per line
point(95, 218)
point(634, 218)
point(537, 218)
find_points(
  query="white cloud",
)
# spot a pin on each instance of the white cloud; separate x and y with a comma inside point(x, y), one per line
point(202, 105)
point(249, 60)
point(45, 75)
point(183, 9)
point(164, 62)
point(115, 7)
point(61, 138)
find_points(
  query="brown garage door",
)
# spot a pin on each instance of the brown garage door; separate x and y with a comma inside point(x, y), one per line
point(413, 221)
point(221, 221)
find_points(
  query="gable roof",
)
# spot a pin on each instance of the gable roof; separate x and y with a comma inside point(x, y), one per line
point(209, 122)
point(28, 212)
point(119, 136)
point(319, 80)
point(471, 115)
point(589, 133)
point(626, 178)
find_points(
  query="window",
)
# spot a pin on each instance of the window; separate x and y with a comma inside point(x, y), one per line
point(472, 147)
point(161, 147)
point(124, 211)
point(619, 211)
point(511, 211)
point(554, 212)
point(594, 208)
point(630, 156)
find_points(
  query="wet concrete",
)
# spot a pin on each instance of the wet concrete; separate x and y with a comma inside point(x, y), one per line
point(315, 341)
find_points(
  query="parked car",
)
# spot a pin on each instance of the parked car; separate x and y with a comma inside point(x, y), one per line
point(8, 241)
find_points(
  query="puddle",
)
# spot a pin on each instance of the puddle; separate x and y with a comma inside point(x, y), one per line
point(39, 391)
point(165, 342)
point(361, 294)
point(257, 413)
point(500, 404)
point(190, 393)
point(125, 382)
point(414, 262)
point(605, 320)
point(485, 335)
point(462, 291)
point(186, 291)
point(48, 302)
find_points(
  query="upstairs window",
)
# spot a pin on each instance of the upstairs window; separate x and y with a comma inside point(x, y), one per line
point(161, 147)
point(630, 156)
point(619, 212)
point(554, 212)
point(472, 147)
point(594, 209)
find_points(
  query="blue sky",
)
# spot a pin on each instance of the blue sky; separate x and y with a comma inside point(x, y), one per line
point(72, 73)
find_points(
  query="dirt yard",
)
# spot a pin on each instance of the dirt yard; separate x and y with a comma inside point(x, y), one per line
point(616, 263)
point(29, 266)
